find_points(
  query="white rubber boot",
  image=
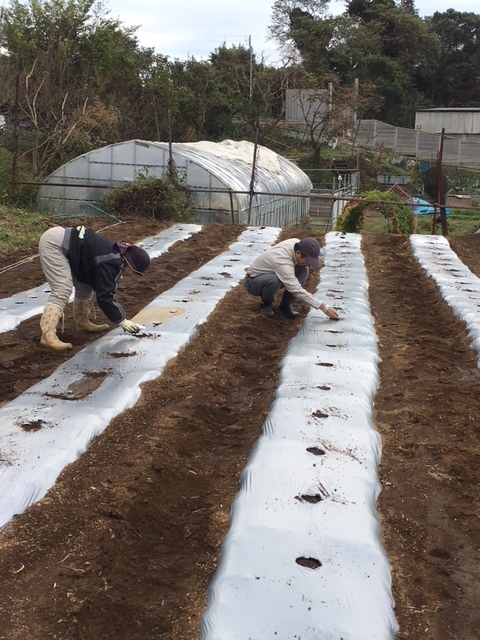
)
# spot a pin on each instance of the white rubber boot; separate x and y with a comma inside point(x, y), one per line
point(81, 312)
point(48, 324)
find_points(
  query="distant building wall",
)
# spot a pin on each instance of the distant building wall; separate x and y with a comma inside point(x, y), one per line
point(459, 202)
point(305, 105)
point(454, 121)
point(315, 111)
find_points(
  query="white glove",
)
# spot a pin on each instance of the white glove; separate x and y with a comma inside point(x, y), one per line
point(331, 313)
point(130, 327)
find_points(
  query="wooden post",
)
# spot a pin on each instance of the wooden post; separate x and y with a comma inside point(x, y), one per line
point(172, 170)
point(441, 187)
point(232, 211)
point(251, 191)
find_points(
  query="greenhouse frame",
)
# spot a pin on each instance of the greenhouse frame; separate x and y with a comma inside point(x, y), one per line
point(218, 175)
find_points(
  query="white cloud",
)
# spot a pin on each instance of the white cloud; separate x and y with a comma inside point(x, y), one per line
point(428, 8)
point(424, 7)
point(195, 28)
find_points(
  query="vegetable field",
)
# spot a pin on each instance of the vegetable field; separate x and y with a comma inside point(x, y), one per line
point(126, 542)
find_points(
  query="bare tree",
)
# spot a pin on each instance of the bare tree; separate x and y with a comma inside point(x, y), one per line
point(321, 113)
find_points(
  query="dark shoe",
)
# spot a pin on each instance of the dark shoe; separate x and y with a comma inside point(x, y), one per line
point(267, 310)
point(286, 305)
point(288, 312)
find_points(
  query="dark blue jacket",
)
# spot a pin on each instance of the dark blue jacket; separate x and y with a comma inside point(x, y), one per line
point(96, 261)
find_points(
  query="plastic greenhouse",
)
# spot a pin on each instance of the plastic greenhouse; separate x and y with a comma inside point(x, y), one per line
point(218, 175)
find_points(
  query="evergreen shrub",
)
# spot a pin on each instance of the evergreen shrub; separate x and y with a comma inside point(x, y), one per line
point(164, 199)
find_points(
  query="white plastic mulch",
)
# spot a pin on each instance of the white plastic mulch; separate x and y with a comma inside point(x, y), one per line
point(27, 304)
point(458, 286)
point(51, 424)
point(303, 558)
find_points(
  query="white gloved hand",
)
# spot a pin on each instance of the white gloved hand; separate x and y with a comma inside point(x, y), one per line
point(331, 313)
point(130, 327)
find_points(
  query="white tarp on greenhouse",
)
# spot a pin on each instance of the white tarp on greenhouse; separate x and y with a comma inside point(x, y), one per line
point(217, 173)
point(303, 558)
point(26, 304)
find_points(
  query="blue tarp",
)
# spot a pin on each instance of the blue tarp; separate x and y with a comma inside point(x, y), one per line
point(423, 207)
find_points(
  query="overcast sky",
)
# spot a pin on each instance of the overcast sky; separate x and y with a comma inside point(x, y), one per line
point(196, 27)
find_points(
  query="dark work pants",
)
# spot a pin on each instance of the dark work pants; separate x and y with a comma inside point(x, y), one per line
point(266, 285)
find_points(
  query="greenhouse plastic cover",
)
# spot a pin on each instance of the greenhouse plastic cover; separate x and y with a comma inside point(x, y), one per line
point(303, 558)
point(231, 162)
point(27, 304)
point(207, 167)
point(458, 286)
point(52, 423)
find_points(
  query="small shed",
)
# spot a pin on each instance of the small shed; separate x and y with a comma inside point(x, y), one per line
point(306, 105)
point(463, 122)
point(217, 174)
point(459, 201)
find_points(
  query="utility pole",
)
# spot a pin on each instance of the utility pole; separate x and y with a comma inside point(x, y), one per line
point(354, 116)
point(330, 108)
point(251, 65)
point(16, 135)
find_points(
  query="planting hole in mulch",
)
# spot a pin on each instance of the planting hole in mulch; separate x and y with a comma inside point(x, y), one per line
point(34, 425)
point(309, 563)
point(316, 451)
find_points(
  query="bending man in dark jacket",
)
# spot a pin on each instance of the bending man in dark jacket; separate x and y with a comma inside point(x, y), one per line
point(78, 257)
point(285, 266)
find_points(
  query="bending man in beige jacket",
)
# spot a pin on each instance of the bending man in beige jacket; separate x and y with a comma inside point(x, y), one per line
point(285, 266)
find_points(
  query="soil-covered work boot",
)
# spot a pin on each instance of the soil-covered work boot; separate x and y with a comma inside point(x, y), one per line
point(266, 309)
point(286, 305)
point(81, 312)
point(48, 324)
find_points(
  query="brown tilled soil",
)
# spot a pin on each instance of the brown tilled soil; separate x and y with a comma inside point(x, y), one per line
point(125, 544)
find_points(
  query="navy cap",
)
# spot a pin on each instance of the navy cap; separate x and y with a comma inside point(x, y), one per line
point(137, 259)
point(310, 248)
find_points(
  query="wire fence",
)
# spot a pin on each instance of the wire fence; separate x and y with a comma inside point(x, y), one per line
point(266, 208)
